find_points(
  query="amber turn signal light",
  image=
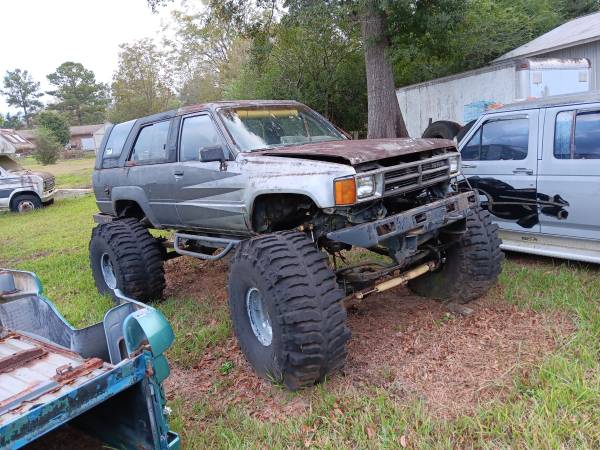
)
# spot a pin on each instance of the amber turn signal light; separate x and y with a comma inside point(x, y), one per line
point(345, 191)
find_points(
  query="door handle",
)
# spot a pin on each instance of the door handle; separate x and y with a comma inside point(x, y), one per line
point(468, 166)
point(178, 173)
point(523, 171)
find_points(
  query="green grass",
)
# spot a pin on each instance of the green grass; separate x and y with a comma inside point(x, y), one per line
point(553, 405)
point(70, 173)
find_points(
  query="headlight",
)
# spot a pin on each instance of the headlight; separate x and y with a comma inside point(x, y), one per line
point(365, 186)
point(454, 162)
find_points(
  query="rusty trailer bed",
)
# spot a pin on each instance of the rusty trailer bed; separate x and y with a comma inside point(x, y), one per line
point(34, 372)
point(105, 379)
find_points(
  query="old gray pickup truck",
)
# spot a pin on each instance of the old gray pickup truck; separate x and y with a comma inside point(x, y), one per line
point(290, 195)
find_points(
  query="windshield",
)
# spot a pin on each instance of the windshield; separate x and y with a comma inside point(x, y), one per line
point(9, 164)
point(254, 128)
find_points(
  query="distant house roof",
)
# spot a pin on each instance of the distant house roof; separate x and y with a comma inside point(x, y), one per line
point(27, 134)
point(575, 32)
point(18, 142)
point(79, 130)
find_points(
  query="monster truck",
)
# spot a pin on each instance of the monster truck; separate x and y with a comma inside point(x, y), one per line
point(289, 195)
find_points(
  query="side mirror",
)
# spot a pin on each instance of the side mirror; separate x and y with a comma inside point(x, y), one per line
point(208, 154)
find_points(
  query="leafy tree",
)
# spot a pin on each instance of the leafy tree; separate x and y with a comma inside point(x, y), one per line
point(78, 94)
point(56, 123)
point(12, 121)
point(143, 83)
point(205, 54)
point(47, 147)
point(22, 92)
point(327, 50)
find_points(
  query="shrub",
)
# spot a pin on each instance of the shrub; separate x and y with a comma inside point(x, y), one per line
point(47, 146)
point(56, 123)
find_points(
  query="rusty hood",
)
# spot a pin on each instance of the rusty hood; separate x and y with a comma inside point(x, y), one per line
point(359, 151)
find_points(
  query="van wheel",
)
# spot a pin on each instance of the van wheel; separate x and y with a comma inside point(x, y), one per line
point(471, 265)
point(286, 309)
point(125, 256)
point(24, 203)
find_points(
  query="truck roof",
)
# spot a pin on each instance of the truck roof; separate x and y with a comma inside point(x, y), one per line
point(555, 100)
point(213, 106)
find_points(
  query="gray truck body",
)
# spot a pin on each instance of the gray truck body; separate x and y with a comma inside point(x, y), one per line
point(219, 197)
point(538, 173)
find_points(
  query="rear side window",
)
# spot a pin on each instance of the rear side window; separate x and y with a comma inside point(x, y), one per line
point(198, 132)
point(577, 135)
point(499, 140)
point(116, 141)
point(151, 143)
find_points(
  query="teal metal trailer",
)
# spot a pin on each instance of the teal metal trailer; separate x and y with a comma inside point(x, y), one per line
point(105, 380)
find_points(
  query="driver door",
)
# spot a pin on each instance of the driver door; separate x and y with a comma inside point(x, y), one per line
point(500, 161)
point(209, 193)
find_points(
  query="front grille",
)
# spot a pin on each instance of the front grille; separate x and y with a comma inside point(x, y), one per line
point(49, 184)
point(416, 175)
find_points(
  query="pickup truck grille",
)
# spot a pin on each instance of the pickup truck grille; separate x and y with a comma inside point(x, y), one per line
point(416, 175)
point(49, 184)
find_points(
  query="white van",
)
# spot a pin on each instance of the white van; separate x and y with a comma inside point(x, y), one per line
point(536, 165)
point(21, 189)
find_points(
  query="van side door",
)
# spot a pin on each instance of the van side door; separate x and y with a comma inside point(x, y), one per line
point(499, 157)
point(569, 177)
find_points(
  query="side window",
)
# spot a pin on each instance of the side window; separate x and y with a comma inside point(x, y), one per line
point(198, 132)
point(470, 152)
point(116, 141)
point(587, 135)
point(577, 135)
point(505, 140)
point(151, 143)
point(563, 129)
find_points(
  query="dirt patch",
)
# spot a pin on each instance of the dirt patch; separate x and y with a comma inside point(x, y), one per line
point(410, 346)
point(195, 278)
point(414, 347)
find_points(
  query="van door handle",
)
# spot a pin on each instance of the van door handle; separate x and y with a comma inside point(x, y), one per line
point(178, 173)
point(468, 166)
point(523, 171)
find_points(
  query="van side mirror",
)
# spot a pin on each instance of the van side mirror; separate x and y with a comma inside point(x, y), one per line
point(216, 153)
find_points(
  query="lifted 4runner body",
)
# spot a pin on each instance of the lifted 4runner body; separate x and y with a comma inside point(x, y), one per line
point(282, 187)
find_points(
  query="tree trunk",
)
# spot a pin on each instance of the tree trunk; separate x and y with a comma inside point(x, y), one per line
point(385, 117)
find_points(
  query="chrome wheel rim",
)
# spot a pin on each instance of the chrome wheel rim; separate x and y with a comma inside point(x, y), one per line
point(259, 317)
point(26, 205)
point(108, 272)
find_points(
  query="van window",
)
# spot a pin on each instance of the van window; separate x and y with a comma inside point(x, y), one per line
point(470, 152)
point(116, 141)
point(151, 143)
point(587, 135)
point(562, 134)
point(577, 135)
point(499, 140)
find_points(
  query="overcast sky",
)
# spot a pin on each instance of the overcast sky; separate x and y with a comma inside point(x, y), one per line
point(40, 35)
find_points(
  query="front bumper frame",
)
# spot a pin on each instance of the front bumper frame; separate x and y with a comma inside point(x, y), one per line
point(414, 222)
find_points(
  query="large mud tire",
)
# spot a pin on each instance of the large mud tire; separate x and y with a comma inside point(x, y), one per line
point(134, 256)
point(442, 129)
point(300, 294)
point(471, 266)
